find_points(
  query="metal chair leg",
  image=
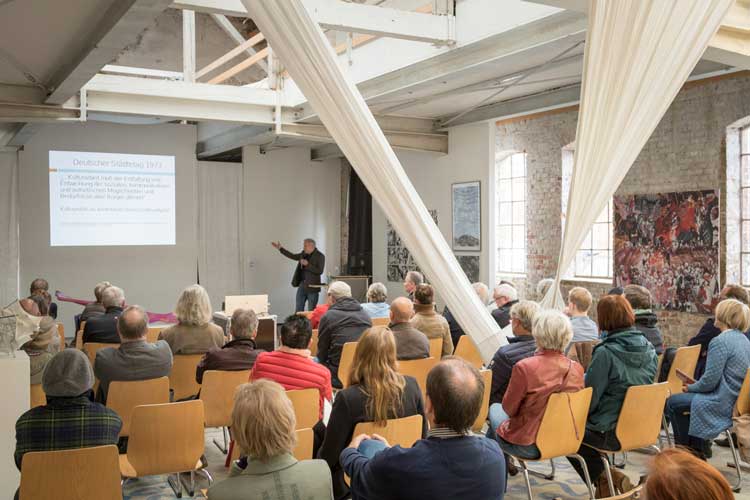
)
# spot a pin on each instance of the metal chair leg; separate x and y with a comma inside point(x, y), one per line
point(208, 476)
point(736, 488)
point(624, 462)
point(586, 476)
point(666, 430)
point(526, 478)
point(610, 483)
point(175, 484)
point(548, 477)
point(222, 449)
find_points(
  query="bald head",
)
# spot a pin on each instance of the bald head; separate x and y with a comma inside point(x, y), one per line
point(132, 324)
point(454, 390)
point(402, 310)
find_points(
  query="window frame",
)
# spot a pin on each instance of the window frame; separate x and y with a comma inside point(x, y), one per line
point(512, 226)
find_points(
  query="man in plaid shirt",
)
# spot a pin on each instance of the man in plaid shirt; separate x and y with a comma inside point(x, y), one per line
point(69, 419)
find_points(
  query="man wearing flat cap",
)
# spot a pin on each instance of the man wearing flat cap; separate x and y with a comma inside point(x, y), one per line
point(69, 419)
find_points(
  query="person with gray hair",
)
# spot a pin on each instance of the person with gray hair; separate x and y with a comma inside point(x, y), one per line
point(103, 328)
point(505, 296)
point(69, 419)
point(95, 308)
point(135, 359)
point(543, 287)
point(344, 322)
point(238, 354)
point(376, 305)
point(483, 292)
point(411, 281)
point(310, 265)
point(410, 342)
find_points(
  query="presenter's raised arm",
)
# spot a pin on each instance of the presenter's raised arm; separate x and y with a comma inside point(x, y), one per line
point(286, 253)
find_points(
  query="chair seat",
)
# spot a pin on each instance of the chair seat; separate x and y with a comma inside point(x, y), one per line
point(127, 470)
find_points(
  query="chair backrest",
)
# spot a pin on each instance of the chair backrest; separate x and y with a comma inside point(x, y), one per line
point(166, 438)
point(381, 321)
point(37, 396)
point(314, 343)
point(436, 347)
point(304, 448)
point(398, 431)
point(61, 333)
point(79, 336)
point(468, 351)
point(659, 362)
point(582, 352)
point(217, 393)
point(484, 411)
point(685, 359)
point(182, 377)
point(153, 333)
point(306, 404)
point(563, 423)
point(91, 348)
point(743, 398)
point(80, 474)
point(640, 419)
point(123, 397)
point(418, 368)
point(345, 363)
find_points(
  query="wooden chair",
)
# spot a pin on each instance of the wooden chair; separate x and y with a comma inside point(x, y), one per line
point(217, 394)
point(582, 352)
point(165, 439)
point(741, 407)
point(468, 351)
point(381, 321)
point(345, 363)
point(685, 359)
point(436, 347)
point(37, 396)
point(418, 368)
point(659, 362)
point(306, 404)
point(482, 417)
point(80, 474)
point(61, 333)
point(79, 336)
point(314, 343)
point(304, 448)
point(153, 334)
point(561, 432)
point(639, 423)
point(91, 348)
point(124, 397)
point(182, 377)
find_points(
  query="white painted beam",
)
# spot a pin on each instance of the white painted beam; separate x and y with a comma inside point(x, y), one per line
point(188, 46)
point(235, 35)
point(133, 71)
point(121, 25)
point(15, 113)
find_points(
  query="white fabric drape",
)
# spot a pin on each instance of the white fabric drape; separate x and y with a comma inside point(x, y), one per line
point(307, 55)
point(637, 57)
point(220, 229)
point(8, 228)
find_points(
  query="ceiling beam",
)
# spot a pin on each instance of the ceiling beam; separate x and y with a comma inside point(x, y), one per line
point(235, 35)
point(326, 152)
point(27, 94)
point(19, 113)
point(119, 27)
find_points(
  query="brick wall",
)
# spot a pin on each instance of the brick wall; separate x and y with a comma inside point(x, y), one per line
point(687, 151)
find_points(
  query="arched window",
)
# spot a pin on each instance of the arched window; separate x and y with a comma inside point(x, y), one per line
point(510, 227)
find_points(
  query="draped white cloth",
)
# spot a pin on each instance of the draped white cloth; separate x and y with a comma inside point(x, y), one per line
point(638, 55)
point(8, 228)
point(307, 55)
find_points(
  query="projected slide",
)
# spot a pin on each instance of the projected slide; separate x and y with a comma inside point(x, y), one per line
point(98, 199)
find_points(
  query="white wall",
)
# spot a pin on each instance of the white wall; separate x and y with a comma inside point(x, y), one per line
point(471, 158)
point(8, 227)
point(287, 198)
point(151, 276)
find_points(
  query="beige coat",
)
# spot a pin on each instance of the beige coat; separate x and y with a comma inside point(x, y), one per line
point(434, 326)
point(193, 339)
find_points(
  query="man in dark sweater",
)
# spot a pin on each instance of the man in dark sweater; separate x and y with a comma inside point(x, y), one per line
point(239, 353)
point(306, 279)
point(505, 296)
point(103, 328)
point(410, 342)
point(344, 322)
point(451, 463)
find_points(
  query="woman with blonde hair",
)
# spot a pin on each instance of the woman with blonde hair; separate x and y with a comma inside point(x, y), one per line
point(194, 333)
point(376, 393)
point(704, 409)
point(263, 427)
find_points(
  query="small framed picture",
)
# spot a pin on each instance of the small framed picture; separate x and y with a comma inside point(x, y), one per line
point(466, 198)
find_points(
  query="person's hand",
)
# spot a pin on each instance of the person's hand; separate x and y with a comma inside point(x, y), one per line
point(357, 440)
point(303, 262)
point(381, 439)
point(684, 387)
point(276, 244)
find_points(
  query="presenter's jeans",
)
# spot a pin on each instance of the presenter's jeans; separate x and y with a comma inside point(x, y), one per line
point(310, 297)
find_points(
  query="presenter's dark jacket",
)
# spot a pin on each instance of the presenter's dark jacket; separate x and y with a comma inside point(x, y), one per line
point(309, 275)
point(103, 328)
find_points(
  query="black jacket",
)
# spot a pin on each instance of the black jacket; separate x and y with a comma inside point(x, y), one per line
point(236, 355)
point(645, 322)
point(103, 328)
point(349, 409)
point(502, 314)
point(505, 359)
point(309, 275)
point(456, 330)
point(344, 322)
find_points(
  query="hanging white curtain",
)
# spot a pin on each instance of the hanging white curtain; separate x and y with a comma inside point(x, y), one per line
point(638, 55)
point(310, 60)
point(8, 228)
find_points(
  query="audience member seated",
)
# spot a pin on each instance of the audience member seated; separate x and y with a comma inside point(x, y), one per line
point(376, 393)
point(428, 321)
point(344, 322)
point(676, 474)
point(505, 297)
point(410, 342)
point(623, 358)
point(41, 304)
point(709, 330)
point(516, 421)
point(95, 308)
point(238, 354)
point(376, 305)
point(194, 333)
point(484, 295)
point(645, 319)
point(519, 347)
point(39, 287)
point(542, 287)
point(450, 464)
point(704, 409)
point(411, 281)
point(30, 306)
point(579, 303)
point(69, 419)
point(38, 348)
point(263, 426)
point(103, 328)
point(135, 359)
point(319, 312)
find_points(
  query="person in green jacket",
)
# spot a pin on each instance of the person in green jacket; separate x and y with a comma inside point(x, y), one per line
point(624, 358)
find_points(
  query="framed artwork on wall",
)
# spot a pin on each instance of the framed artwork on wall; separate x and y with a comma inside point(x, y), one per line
point(400, 261)
point(467, 216)
point(470, 266)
